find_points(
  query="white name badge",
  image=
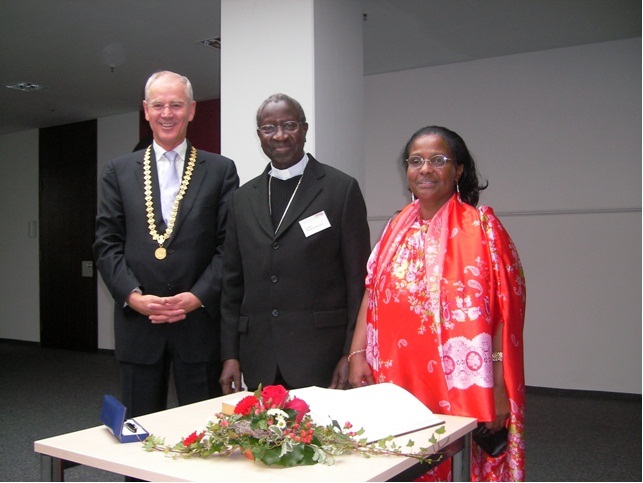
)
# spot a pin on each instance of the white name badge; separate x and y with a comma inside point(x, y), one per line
point(314, 224)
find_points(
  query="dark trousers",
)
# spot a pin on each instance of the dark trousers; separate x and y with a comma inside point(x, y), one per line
point(145, 386)
point(279, 381)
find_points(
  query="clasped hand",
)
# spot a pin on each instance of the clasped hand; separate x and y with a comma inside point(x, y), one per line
point(164, 310)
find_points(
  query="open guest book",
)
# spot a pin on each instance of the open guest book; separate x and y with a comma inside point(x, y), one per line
point(382, 410)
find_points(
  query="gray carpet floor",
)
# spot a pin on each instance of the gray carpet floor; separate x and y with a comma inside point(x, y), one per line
point(570, 435)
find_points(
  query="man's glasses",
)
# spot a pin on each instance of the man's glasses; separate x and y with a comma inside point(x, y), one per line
point(173, 106)
point(288, 126)
point(436, 161)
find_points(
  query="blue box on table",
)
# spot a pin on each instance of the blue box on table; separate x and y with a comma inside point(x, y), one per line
point(113, 416)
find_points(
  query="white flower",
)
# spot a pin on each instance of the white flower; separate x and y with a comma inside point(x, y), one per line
point(280, 418)
point(277, 413)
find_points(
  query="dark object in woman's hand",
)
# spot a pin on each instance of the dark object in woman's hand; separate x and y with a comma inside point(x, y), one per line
point(494, 444)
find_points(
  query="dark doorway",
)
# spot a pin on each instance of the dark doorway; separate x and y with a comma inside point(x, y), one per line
point(68, 298)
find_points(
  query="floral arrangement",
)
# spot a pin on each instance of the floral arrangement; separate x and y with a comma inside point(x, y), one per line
point(272, 427)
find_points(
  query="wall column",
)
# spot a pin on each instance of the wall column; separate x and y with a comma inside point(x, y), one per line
point(308, 49)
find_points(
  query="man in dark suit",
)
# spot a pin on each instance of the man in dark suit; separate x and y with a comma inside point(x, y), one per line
point(295, 258)
point(160, 231)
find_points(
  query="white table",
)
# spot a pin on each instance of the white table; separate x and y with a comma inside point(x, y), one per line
point(97, 447)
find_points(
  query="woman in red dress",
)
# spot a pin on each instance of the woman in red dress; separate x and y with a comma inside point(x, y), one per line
point(444, 308)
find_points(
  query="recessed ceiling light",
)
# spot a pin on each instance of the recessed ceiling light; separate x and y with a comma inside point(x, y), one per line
point(215, 43)
point(26, 86)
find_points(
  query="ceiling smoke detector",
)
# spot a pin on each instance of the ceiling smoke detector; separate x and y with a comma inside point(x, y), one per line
point(26, 86)
point(215, 43)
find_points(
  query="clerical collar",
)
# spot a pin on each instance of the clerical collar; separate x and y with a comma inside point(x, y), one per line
point(181, 149)
point(294, 170)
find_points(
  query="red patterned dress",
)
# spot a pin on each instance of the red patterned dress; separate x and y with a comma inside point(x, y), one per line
point(437, 292)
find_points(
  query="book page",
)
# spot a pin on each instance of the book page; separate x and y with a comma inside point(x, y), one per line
point(382, 410)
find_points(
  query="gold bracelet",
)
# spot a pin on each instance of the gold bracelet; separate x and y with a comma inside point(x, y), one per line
point(355, 353)
point(496, 356)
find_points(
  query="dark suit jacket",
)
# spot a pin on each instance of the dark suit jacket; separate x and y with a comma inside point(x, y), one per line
point(291, 300)
point(124, 253)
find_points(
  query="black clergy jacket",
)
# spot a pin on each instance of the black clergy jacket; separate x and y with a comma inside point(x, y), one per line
point(290, 300)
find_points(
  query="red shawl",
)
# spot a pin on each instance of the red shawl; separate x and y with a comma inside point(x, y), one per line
point(438, 291)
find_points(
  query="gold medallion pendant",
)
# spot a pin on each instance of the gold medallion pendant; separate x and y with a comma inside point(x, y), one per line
point(160, 253)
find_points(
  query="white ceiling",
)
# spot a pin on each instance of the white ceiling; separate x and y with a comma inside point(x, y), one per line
point(66, 45)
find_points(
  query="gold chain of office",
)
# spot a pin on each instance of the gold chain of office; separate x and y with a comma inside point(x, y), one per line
point(160, 253)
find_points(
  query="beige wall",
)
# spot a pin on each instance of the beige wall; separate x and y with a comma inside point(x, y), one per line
point(558, 135)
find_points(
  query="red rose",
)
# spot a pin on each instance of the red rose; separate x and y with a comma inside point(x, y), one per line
point(298, 405)
point(274, 396)
point(193, 438)
point(246, 405)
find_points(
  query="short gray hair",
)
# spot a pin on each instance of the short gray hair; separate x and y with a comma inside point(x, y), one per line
point(166, 73)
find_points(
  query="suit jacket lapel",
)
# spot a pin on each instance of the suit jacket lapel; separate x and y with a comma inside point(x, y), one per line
point(156, 191)
point(308, 190)
point(198, 175)
point(259, 203)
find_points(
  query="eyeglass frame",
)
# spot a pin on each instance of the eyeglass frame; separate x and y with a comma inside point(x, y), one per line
point(282, 126)
point(172, 106)
point(429, 160)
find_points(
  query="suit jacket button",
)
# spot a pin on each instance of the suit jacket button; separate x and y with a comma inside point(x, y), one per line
point(275, 245)
point(274, 279)
point(275, 313)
